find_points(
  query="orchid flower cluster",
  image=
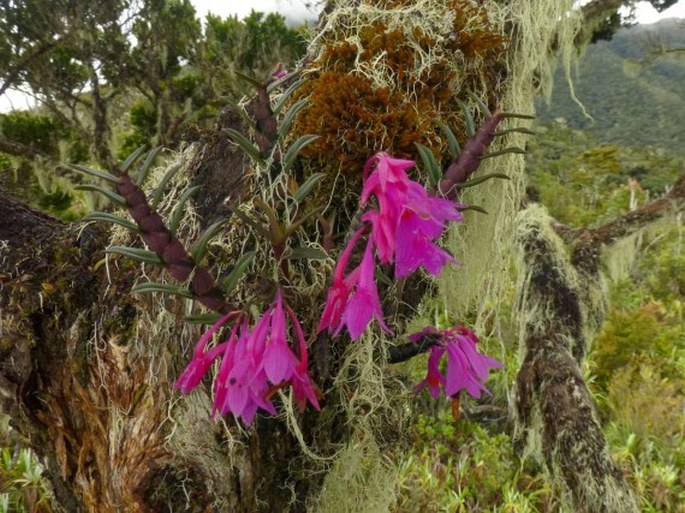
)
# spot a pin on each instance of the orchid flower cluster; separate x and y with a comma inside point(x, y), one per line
point(403, 229)
point(467, 369)
point(255, 363)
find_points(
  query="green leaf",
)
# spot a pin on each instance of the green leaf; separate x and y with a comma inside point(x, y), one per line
point(241, 112)
point(284, 125)
point(252, 80)
point(199, 249)
point(285, 96)
point(299, 221)
point(295, 148)
point(245, 144)
point(255, 225)
point(179, 209)
point(96, 172)
point(468, 119)
point(142, 255)
point(159, 191)
point(455, 150)
point(481, 104)
point(130, 160)
point(476, 208)
point(512, 149)
point(207, 318)
point(430, 164)
point(481, 179)
point(304, 189)
point(113, 196)
point(517, 116)
point(111, 218)
point(305, 253)
point(230, 282)
point(520, 130)
point(147, 165)
point(275, 227)
point(164, 288)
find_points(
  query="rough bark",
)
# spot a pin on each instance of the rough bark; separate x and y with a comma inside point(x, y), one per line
point(562, 303)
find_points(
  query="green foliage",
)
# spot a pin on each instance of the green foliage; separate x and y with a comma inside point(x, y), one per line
point(459, 466)
point(583, 183)
point(632, 98)
point(22, 488)
point(39, 132)
point(642, 335)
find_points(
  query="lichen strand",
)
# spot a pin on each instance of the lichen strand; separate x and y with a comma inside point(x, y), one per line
point(385, 78)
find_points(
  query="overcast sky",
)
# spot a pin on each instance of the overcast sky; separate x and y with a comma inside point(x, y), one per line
point(293, 10)
point(296, 10)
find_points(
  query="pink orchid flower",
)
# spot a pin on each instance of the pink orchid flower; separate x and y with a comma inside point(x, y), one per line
point(340, 290)
point(279, 361)
point(408, 218)
point(303, 390)
point(434, 379)
point(364, 304)
point(467, 369)
point(202, 359)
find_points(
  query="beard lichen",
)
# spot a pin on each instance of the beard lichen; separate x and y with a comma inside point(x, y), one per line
point(382, 76)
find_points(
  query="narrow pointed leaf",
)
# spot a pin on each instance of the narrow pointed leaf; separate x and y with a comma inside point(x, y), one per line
point(253, 224)
point(130, 160)
point(241, 112)
point(512, 149)
point(481, 104)
point(275, 227)
point(199, 249)
point(147, 165)
point(179, 209)
point(520, 130)
point(111, 218)
point(208, 318)
point(96, 172)
point(285, 96)
point(517, 116)
point(245, 144)
point(287, 121)
point(273, 85)
point(159, 191)
point(142, 255)
point(163, 288)
point(304, 253)
point(475, 208)
point(455, 150)
point(238, 271)
point(299, 221)
point(430, 165)
point(250, 79)
point(113, 196)
point(295, 148)
point(481, 179)
point(304, 189)
point(468, 119)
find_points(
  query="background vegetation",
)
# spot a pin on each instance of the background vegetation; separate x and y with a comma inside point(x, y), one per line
point(177, 76)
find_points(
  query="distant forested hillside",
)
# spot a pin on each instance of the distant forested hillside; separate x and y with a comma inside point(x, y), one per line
point(634, 92)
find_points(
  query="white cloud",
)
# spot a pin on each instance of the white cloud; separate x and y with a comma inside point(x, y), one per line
point(293, 10)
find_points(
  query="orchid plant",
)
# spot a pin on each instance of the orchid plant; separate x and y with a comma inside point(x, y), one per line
point(401, 221)
point(402, 230)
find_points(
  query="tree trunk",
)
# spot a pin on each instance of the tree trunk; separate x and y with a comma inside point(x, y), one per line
point(562, 302)
point(88, 368)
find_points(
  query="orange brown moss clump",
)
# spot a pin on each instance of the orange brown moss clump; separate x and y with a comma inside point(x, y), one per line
point(350, 114)
point(388, 72)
